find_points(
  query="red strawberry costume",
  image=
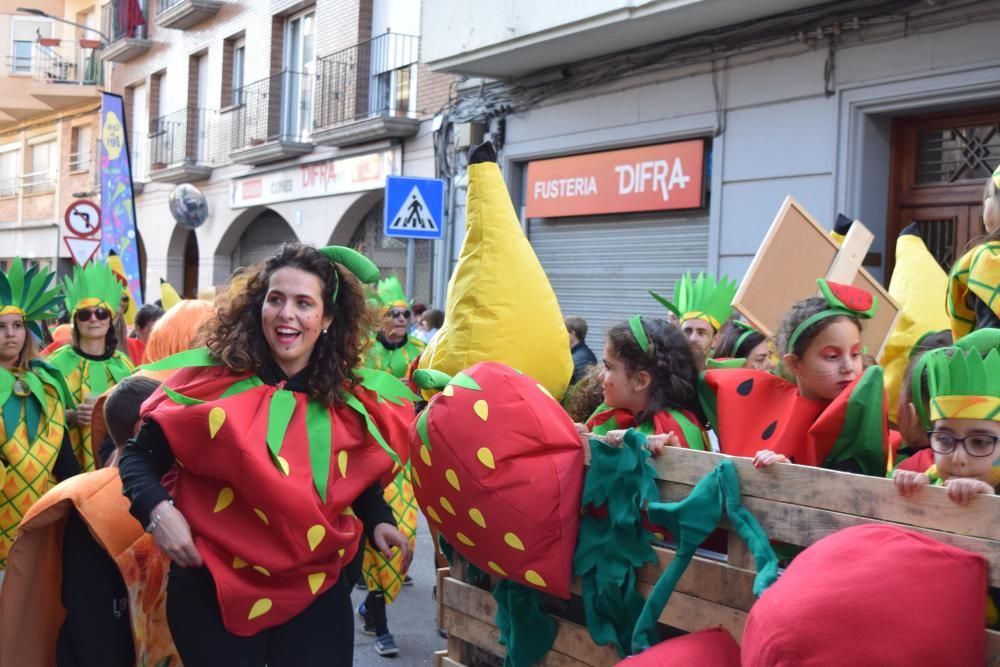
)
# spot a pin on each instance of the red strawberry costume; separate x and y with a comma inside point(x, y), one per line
point(681, 423)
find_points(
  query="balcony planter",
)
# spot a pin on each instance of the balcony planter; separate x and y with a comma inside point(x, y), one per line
point(90, 43)
point(49, 41)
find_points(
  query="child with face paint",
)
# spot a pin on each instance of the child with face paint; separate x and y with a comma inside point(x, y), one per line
point(833, 413)
point(649, 379)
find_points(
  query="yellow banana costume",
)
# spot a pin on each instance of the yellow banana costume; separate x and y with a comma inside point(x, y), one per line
point(500, 304)
point(976, 274)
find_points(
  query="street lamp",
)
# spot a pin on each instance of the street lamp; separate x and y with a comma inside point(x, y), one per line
point(38, 12)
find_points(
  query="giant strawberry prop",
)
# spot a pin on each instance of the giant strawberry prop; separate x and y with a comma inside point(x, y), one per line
point(498, 469)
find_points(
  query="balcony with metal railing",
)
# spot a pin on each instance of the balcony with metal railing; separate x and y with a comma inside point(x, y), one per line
point(179, 146)
point(124, 22)
point(65, 74)
point(273, 121)
point(368, 92)
point(184, 14)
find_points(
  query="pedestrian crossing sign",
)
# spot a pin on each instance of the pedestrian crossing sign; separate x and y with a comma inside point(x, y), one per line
point(414, 207)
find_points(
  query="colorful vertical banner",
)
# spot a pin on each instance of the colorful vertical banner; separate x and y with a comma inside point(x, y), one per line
point(118, 232)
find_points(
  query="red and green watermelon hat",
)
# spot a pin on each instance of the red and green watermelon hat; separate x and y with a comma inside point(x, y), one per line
point(842, 300)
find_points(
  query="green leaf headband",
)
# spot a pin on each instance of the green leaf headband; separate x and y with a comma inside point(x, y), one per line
point(843, 300)
point(917, 384)
point(353, 261)
point(635, 324)
point(27, 293)
point(747, 332)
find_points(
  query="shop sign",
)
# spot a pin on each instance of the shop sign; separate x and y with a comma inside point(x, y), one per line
point(650, 178)
point(314, 179)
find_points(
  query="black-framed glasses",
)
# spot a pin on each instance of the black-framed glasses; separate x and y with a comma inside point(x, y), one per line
point(393, 314)
point(977, 444)
point(85, 314)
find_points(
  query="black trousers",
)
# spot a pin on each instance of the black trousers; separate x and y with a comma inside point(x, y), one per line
point(321, 636)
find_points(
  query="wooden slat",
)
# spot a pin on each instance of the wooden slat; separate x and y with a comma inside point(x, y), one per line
point(992, 647)
point(487, 637)
point(847, 493)
point(448, 662)
point(692, 614)
point(738, 551)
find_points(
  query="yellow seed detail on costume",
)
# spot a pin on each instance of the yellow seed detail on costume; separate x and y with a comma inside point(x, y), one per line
point(283, 464)
point(348, 511)
point(416, 476)
point(262, 570)
point(477, 517)
point(425, 455)
point(482, 409)
point(342, 463)
point(496, 568)
point(446, 505)
point(513, 541)
point(341, 552)
point(259, 608)
point(316, 581)
point(485, 457)
point(216, 418)
point(432, 513)
point(238, 563)
point(544, 391)
point(315, 535)
point(464, 539)
point(224, 500)
point(449, 390)
point(452, 478)
point(533, 577)
point(261, 516)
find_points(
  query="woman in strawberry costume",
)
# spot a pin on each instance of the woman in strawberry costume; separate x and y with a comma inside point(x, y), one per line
point(280, 442)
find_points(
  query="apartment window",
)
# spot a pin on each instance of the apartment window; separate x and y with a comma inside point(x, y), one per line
point(82, 148)
point(41, 172)
point(10, 163)
point(23, 35)
point(300, 66)
point(238, 71)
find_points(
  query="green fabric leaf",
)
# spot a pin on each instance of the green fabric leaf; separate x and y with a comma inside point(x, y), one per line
point(610, 549)
point(861, 436)
point(525, 629)
point(118, 367)
point(692, 432)
point(356, 405)
point(320, 444)
point(12, 413)
point(428, 378)
point(279, 414)
point(179, 398)
point(385, 385)
point(16, 277)
point(196, 358)
point(666, 304)
point(6, 384)
point(52, 377)
point(466, 382)
point(708, 401)
point(97, 378)
point(246, 384)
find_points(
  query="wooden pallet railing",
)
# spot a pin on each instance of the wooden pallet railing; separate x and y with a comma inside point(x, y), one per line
point(797, 505)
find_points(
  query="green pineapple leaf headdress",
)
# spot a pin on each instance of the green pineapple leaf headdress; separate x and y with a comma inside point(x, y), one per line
point(965, 385)
point(391, 294)
point(701, 298)
point(93, 286)
point(27, 293)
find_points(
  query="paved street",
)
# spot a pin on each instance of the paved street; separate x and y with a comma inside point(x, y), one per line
point(411, 616)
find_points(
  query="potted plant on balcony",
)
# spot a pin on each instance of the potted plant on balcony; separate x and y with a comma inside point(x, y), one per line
point(90, 43)
point(49, 41)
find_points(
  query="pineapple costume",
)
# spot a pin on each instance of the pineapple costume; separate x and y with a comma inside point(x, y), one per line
point(381, 574)
point(974, 285)
point(33, 404)
point(93, 286)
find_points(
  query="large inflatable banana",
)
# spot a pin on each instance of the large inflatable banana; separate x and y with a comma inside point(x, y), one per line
point(500, 304)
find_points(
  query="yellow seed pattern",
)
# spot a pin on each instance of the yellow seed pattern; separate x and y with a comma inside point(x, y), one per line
point(259, 608)
point(216, 418)
point(316, 581)
point(464, 539)
point(315, 535)
point(342, 463)
point(544, 390)
point(283, 464)
point(449, 390)
point(261, 516)
point(238, 563)
point(224, 500)
point(496, 568)
point(485, 457)
point(446, 504)
point(513, 541)
point(452, 478)
point(432, 513)
point(533, 577)
point(262, 570)
point(425, 455)
point(482, 409)
point(416, 477)
point(477, 517)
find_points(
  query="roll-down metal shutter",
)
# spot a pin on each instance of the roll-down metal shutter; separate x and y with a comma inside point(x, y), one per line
point(602, 268)
point(262, 240)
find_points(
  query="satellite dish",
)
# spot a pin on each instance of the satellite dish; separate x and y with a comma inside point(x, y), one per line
point(188, 206)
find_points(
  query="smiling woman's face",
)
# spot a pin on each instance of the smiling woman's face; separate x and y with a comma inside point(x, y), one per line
point(293, 317)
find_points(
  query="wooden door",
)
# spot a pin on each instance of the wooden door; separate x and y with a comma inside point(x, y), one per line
point(189, 289)
point(940, 164)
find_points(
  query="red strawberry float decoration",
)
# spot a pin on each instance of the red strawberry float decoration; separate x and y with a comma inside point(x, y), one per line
point(498, 470)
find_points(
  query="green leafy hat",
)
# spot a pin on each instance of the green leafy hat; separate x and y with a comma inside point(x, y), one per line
point(701, 298)
point(27, 294)
point(964, 385)
point(391, 294)
point(93, 286)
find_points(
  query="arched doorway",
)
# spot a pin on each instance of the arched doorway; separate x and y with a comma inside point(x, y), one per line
point(189, 289)
point(263, 237)
point(389, 253)
point(183, 259)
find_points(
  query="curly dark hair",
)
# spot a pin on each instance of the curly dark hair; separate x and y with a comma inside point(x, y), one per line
point(584, 397)
point(236, 339)
point(799, 313)
point(672, 365)
point(729, 335)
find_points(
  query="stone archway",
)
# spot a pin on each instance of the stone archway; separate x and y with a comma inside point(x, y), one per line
point(261, 238)
point(183, 257)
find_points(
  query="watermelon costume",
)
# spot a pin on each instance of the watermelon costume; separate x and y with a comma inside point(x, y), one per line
point(681, 423)
point(92, 286)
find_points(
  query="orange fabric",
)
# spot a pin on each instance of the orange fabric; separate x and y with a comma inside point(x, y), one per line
point(136, 348)
point(177, 331)
point(52, 347)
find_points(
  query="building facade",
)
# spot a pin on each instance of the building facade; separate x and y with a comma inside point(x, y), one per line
point(888, 112)
point(287, 115)
point(49, 106)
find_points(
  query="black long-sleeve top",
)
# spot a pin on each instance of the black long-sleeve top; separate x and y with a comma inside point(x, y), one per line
point(147, 457)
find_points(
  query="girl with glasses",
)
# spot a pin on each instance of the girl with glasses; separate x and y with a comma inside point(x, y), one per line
point(93, 363)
